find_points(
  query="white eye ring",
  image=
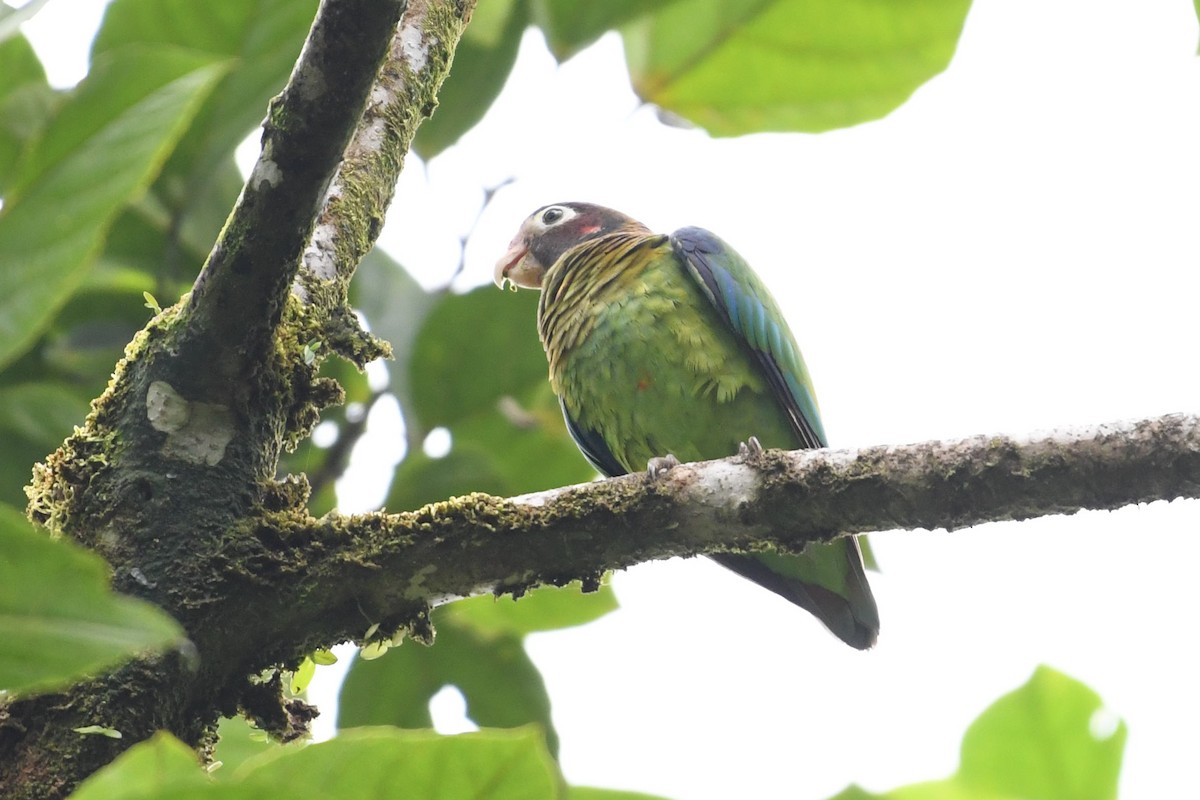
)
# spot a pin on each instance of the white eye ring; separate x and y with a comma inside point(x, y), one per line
point(554, 215)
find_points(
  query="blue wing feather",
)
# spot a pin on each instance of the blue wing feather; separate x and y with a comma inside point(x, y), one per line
point(746, 306)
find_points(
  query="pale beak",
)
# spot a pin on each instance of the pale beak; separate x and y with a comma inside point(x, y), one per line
point(518, 268)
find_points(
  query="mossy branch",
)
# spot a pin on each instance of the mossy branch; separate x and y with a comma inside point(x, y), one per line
point(786, 499)
point(239, 297)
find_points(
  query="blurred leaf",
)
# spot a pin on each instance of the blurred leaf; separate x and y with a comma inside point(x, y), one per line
point(170, 245)
point(264, 36)
point(480, 650)
point(25, 99)
point(502, 687)
point(473, 349)
point(747, 66)
point(395, 306)
point(570, 25)
point(491, 392)
point(542, 609)
point(420, 479)
point(103, 147)
point(34, 419)
point(239, 742)
point(158, 767)
point(482, 62)
point(386, 763)
point(1037, 743)
point(854, 792)
point(58, 620)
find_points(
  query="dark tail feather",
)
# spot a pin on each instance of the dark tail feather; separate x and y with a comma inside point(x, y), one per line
point(852, 617)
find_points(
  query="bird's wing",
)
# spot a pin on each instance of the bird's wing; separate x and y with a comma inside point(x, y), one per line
point(746, 306)
point(592, 445)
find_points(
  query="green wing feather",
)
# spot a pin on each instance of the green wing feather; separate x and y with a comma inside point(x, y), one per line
point(746, 306)
point(827, 580)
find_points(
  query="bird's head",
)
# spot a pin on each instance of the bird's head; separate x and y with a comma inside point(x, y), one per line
point(548, 233)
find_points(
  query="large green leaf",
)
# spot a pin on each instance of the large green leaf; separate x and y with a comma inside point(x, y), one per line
point(103, 148)
point(745, 66)
point(58, 620)
point(473, 349)
point(478, 370)
point(161, 766)
point(389, 763)
point(1051, 739)
point(482, 61)
point(570, 25)
point(1039, 743)
point(26, 100)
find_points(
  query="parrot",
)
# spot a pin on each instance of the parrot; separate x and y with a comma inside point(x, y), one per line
point(671, 347)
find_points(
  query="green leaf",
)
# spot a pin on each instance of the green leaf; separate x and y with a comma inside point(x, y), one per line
point(264, 37)
point(34, 418)
point(26, 100)
point(158, 767)
point(746, 66)
point(570, 26)
point(420, 479)
point(386, 763)
point(99, 730)
point(492, 393)
point(58, 620)
point(545, 608)
point(499, 682)
point(239, 742)
point(482, 61)
point(473, 349)
point(1038, 743)
point(395, 306)
point(41, 413)
point(102, 149)
point(1051, 739)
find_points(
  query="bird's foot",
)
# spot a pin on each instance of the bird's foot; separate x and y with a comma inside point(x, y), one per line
point(657, 467)
point(750, 449)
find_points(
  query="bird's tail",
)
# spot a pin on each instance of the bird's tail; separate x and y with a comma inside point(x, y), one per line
point(827, 580)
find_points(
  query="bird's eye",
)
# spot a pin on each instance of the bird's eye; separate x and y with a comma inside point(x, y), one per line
point(552, 215)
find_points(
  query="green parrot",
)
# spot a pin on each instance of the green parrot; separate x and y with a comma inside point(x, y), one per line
point(671, 345)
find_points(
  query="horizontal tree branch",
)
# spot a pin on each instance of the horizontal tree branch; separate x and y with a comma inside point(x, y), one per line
point(382, 564)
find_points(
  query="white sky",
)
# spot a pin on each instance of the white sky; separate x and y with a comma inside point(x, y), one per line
point(1012, 250)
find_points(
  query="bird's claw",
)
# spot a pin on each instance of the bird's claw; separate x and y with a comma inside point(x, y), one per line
point(657, 467)
point(750, 449)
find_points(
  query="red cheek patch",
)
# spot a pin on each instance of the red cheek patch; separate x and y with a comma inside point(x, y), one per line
point(589, 229)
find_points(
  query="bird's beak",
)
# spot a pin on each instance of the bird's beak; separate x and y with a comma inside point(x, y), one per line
point(518, 267)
